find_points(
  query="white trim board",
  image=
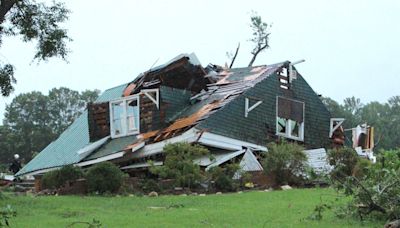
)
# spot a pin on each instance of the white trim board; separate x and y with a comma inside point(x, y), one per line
point(101, 159)
point(223, 142)
point(248, 108)
point(39, 171)
point(334, 128)
point(204, 138)
point(142, 165)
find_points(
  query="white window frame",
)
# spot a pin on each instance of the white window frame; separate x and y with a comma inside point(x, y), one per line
point(288, 130)
point(124, 124)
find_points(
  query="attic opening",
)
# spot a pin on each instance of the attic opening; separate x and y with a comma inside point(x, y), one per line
point(284, 78)
point(290, 118)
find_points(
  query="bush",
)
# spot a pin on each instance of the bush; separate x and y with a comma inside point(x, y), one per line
point(149, 185)
point(57, 178)
point(223, 177)
point(343, 160)
point(178, 164)
point(377, 193)
point(6, 214)
point(286, 162)
point(104, 177)
point(360, 170)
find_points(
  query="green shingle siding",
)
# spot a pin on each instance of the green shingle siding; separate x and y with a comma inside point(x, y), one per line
point(173, 101)
point(260, 124)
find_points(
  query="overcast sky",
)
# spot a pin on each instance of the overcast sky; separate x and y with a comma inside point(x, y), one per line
point(351, 48)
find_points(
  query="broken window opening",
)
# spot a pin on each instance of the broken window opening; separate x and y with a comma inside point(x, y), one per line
point(281, 127)
point(284, 72)
point(290, 118)
point(124, 116)
point(284, 78)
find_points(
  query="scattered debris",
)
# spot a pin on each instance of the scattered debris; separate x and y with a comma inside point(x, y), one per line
point(157, 208)
point(286, 187)
point(153, 194)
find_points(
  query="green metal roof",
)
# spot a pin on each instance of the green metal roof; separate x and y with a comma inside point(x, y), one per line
point(113, 146)
point(63, 151)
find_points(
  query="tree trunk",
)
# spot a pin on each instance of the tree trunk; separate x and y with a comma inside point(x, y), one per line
point(256, 53)
point(234, 57)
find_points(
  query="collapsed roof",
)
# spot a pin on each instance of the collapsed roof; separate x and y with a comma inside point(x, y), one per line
point(191, 93)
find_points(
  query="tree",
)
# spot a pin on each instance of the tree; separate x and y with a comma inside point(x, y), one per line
point(32, 120)
point(28, 119)
point(260, 36)
point(65, 105)
point(6, 145)
point(32, 21)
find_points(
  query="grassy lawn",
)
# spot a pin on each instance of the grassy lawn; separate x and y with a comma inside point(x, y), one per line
point(249, 209)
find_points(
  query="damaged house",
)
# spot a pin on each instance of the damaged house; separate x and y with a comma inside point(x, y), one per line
point(233, 112)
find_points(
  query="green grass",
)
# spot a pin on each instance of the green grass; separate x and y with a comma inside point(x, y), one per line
point(249, 209)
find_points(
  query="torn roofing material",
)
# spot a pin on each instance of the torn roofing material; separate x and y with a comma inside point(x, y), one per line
point(211, 99)
point(63, 151)
point(182, 72)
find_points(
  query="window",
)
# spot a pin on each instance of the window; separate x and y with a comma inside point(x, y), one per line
point(290, 118)
point(124, 116)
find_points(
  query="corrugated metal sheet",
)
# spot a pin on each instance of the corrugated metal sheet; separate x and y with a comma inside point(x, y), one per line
point(111, 94)
point(63, 151)
point(112, 146)
point(317, 159)
point(250, 163)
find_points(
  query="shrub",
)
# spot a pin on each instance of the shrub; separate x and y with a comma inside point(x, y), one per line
point(104, 177)
point(286, 162)
point(178, 164)
point(376, 194)
point(149, 185)
point(360, 170)
point(6, 214)
point(57, 178)
point(343, 160)
point(223, 177)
